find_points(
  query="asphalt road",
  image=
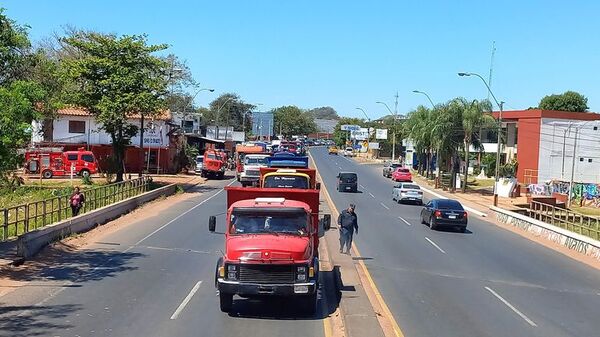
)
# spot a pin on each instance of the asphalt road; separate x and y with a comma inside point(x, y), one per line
point(153, 278)
point(486, 282)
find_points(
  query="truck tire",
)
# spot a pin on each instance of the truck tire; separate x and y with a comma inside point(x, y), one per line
point(308, 304)
point(84, 173)
point(226, 302)
point(47, 174)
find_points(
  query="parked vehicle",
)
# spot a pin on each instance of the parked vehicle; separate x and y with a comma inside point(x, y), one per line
point(332, 150)
point(444, 213)
point(252, 164)
point(347, 182)
point(271, 245)
point(389, 168)
point(349, 152)
point(55, 162)
point(407, 192)
point(402, 174)
point(199, 164)
point(213, 165)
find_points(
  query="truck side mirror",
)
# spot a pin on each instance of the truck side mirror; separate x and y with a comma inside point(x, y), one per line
point(327, 222)
point(212, 223)
point(318, 186)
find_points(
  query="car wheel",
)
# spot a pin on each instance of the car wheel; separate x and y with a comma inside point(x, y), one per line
point(47, 174)
point(226, 301)
point(432, 224)
point(84, 173)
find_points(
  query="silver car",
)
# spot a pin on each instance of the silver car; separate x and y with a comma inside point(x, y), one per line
point(407, 192)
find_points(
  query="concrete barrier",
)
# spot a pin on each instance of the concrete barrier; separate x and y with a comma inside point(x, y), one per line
point(29, 244)
point(573, 241)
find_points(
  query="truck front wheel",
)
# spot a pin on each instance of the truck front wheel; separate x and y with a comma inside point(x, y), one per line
point(226, 301)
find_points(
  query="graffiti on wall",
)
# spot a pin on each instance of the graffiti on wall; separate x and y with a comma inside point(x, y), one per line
point(586, 194)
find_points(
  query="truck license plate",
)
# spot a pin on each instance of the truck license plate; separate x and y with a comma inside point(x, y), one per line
point(452, 216)
point(300, 289)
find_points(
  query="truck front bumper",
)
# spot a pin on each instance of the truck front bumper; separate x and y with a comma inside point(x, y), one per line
point(248, 179)
point(253, 289)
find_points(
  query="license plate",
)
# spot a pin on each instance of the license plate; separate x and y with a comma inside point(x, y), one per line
point(348, 188)
point(300, 289)
point(452, 216)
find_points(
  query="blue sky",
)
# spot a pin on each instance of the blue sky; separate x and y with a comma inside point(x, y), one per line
point(349, 54)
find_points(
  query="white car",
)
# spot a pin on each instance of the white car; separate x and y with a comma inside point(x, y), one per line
point(348, 152)
point(199, 164)
point(407, 192)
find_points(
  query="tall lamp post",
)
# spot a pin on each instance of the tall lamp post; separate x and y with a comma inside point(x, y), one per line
point(424, 93)
point(437, 162)
point(500, 105)
point(189, 103)
point(218, 117)
point(394, 132)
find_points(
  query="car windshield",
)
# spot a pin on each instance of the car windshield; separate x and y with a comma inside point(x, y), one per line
point(256, 161)
point(257, 223)
point(402, 170)
point(348, 177)
point(411, 186)
point(283, 181)
point(211, 156)
point(449, 204)
point(199, 160)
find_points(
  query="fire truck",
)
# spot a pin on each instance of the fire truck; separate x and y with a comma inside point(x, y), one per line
point(271, 245)
point(51, 162)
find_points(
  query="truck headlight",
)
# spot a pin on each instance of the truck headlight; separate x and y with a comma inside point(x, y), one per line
point(232, 271)
point(301, 273)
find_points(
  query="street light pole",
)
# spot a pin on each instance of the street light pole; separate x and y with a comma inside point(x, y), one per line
point(190, 102)
point(394, 131)
point(500, 105)
point(424, 93)
point(217, 117)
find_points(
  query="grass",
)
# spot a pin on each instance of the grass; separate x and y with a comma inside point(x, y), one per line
point(34, 192)
point(591, 211)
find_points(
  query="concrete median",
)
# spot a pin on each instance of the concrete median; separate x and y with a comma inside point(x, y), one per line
point(30, 243)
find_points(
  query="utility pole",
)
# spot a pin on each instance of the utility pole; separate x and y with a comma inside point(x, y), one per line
point(562, 171)
point(394, 126)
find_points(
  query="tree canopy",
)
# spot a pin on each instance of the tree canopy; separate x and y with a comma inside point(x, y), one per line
point(118, 78)
point(567, 101)
point(325, 112)
point(228, 110)
point(291, 121)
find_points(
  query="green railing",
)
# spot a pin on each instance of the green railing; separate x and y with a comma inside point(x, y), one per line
point(567, 219)
point(24, 218)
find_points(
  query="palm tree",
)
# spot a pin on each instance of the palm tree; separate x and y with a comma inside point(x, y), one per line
point(474, 117)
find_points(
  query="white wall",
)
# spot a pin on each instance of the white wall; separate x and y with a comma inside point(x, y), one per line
point(552, 139)
point(96, 136)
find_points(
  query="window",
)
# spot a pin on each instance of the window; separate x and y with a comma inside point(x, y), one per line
point(595, 128)
point(76, 126)
point(449, 204)
point(87, 158)
point(72, 156)
point(580, 159)
point(589, 160)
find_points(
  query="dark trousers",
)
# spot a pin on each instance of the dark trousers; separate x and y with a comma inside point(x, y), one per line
point(75, 210)
point(345, 239)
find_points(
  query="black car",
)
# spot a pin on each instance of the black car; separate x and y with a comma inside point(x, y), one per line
point(347, 182)
point(390, 167)
point(444, 212)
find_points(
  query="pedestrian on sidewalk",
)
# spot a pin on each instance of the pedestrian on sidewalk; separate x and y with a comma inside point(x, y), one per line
point(76, 201)
point(347, 225)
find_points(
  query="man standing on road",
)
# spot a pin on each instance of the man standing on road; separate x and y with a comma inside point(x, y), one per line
point(347, 225)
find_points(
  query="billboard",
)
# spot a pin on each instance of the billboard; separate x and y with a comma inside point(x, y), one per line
point(360, 134)
point(224, 133)
point(381, 134)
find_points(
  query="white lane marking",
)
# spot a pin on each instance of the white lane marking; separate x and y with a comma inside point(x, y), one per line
point(361, 186)
point(532, 323)
point(371, 194)
point(443, 197)
point(186, 300)
point(435, 245)
point(406, 222)
point(384, 206)
point(177, 217)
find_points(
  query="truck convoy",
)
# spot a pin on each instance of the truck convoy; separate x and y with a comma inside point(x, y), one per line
point(56, 162)
point(271, 245)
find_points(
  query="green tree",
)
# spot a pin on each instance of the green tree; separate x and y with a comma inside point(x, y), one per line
point(567, 101)
point(15, 55)
point(229, 110)
point(16, 115)
point(340, 136)
point(118, 78)
point(292, 121)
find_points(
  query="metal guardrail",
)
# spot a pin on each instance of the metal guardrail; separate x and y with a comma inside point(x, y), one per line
point(567, 219)
point(24, 218)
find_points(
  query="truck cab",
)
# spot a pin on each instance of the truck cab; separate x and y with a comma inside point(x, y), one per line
point(271, 245)
point(252, 164)
point(213, 164)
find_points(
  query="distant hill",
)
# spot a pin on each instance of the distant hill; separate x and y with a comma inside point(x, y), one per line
point(325, 112)
point(325, 125)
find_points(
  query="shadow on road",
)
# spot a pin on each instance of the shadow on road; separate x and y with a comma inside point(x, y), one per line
point(62, 262)
point(286, 308)
point(20, 321)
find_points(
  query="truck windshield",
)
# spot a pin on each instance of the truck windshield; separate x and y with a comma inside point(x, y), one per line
point(256, 161)
point(289, 181)
point(288, 223)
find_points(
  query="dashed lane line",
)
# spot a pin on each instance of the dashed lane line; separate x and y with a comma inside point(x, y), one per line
point(525, 318)
point(435, 245)
point(186, 300)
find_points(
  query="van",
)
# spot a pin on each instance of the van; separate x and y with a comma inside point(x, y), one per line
point(347, 182)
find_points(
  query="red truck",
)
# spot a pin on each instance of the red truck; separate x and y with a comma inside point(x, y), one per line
point(214, 164)
point(271, 245)
point(55, 162)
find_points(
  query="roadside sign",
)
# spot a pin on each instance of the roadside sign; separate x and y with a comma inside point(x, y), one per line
point(360, 134)
point(349, 127)
point(381, 134)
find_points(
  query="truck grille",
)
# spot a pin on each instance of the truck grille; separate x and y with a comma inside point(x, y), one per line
point(253, 173)
point(266, 273)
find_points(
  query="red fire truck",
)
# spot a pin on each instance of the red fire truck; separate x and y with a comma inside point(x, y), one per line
point(51, 162)
point(271, 245)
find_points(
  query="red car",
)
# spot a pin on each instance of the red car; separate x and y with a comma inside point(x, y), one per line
point(401, 174)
